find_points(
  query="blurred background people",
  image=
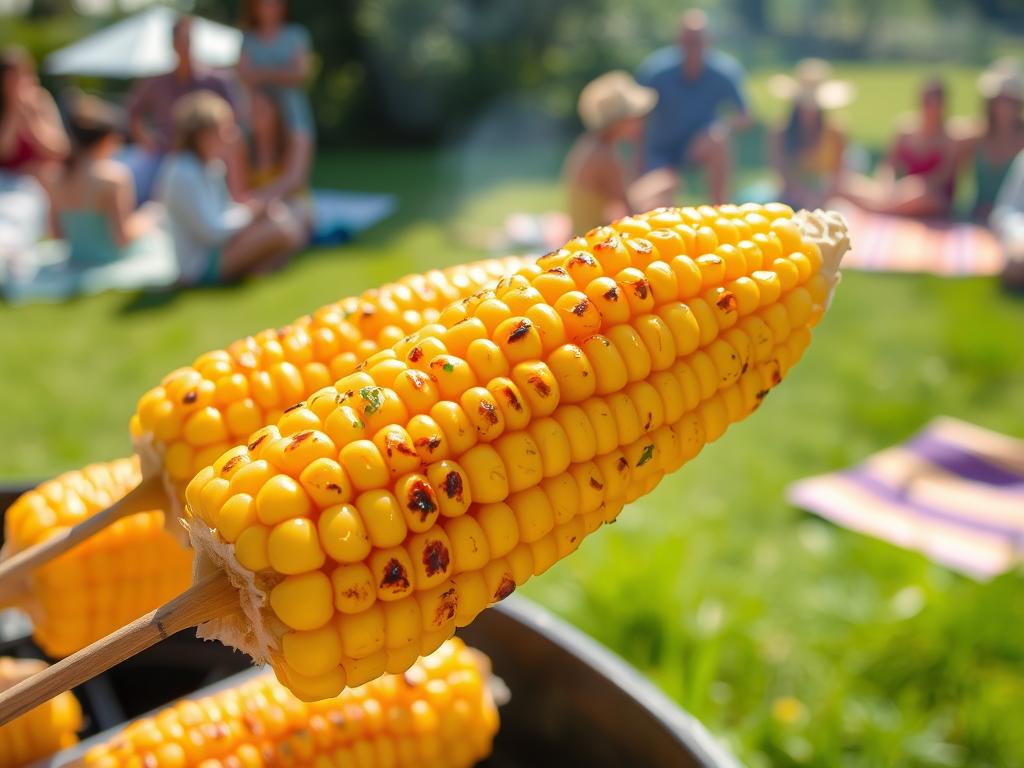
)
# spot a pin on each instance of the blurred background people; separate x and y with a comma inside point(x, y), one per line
point(32, 136)
point(275, 66)
point(694, 85)
point(1000, 136)
point(151, 110)
point(216, 238)
point(612, 109)
point(807, 150)
point(918, 175)
point(94, 201)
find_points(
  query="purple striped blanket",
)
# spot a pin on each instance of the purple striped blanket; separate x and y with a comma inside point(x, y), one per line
point(954, 492)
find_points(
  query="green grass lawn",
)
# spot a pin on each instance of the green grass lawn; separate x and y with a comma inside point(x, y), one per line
point(796, 642)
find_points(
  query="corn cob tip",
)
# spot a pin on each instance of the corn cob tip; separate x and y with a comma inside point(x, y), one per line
point(826, 229)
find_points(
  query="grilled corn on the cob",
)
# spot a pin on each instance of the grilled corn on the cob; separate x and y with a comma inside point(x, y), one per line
point(116, 576)
point(44, 730)
point(382, 512)
point(440, 713)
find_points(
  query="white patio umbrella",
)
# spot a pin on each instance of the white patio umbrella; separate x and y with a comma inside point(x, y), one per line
point(140, 45)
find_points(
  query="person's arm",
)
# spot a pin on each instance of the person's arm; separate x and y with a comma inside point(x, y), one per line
point(836, 160)
point(138, 107)
point(295, 174)
point(610, 182)
point(736, 95)
point(126, 223)
point(44, 127)
point(778, 157)
point(192, 203)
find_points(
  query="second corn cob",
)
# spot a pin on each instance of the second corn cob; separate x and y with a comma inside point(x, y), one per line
point(439, 714)
point(382, 512)
point(119, 574)
point(46, 729)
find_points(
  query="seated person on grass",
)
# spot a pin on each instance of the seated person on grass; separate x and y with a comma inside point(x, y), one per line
point(94, 199)
point(216, 238)
point(807, 150)
point(1000, 136)
point(32, 137)
point(612, 109)
point(693, 84)
point(918, 175)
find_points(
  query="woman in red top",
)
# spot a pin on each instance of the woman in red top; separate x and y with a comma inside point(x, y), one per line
point(918, 175)
point(32, 137)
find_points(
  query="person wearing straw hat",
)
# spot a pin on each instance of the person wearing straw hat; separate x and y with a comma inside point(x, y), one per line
point(612, 109)
point(999, 136)
point(807, 151)
point(918, 175)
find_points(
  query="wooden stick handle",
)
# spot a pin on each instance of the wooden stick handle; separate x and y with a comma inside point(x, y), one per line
point(15, 570)
point(210, 598)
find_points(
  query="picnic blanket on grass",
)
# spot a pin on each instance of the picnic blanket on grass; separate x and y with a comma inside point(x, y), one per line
point(898, 244)
point(339, 216)
point(954, 492)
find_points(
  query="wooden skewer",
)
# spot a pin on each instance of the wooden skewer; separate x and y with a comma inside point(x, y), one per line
point(15, 570)
point(212, 597)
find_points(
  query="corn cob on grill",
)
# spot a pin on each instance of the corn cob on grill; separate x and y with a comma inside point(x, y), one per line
point(41, 732)
point(382, 512)
point(197, 412)
point(440, 713)
point(121, 573)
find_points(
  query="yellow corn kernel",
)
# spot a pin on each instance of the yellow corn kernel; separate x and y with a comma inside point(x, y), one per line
point(293, 547)
point(305, 601)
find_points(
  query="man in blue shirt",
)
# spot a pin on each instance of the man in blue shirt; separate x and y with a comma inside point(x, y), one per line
point(693, 86)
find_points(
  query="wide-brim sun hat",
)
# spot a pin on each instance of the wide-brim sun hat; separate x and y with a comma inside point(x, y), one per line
point(812, 83)
point(1002, 78)
point(612, 98)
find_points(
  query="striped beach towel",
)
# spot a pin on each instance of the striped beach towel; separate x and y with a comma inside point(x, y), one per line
point(898, 244)
point(954, 492)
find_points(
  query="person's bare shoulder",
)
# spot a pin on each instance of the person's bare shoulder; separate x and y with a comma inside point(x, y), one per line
point(110, 177)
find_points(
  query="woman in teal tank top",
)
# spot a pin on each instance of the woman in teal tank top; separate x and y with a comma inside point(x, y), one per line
point(94, 203)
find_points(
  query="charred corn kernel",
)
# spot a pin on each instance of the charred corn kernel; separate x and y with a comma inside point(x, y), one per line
point(440, 713)
point(124, 571)
point(354, 589)
point(251, 549)
point(562, 394)
point(42, 731)
point(392, 572)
